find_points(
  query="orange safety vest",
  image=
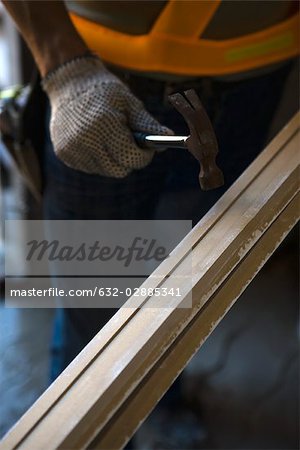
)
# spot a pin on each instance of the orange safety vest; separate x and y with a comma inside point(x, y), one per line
point(174, 44)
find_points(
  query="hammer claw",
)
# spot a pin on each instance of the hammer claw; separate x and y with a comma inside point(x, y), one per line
point(202, 142)
point(184, 107)
point(193, 99)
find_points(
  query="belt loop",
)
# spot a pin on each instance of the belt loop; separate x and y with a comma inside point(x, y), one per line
point(169, 88)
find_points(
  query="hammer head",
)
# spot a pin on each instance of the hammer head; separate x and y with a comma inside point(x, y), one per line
point(202, 142)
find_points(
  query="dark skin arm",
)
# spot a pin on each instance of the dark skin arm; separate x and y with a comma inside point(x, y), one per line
point(53, 40)
point(48, 31)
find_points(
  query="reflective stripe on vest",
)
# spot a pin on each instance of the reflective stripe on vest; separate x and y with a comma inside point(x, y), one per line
point(173, 45)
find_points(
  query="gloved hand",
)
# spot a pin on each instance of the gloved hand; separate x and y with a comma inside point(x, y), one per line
point(93, 115)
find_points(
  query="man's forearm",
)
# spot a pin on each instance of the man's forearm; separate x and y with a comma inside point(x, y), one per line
point(48, 31)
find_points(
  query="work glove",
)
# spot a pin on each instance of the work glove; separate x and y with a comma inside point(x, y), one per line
point(93, 116)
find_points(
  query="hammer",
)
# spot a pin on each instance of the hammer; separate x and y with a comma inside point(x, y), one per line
point(202, 141)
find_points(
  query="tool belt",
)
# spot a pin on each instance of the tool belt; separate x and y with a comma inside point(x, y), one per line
point(22, 131)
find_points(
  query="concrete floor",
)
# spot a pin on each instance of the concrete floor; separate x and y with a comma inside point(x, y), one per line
point(24, 360)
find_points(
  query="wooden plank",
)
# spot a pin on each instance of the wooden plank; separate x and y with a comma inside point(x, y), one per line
point(91, 392)
point(149, 392)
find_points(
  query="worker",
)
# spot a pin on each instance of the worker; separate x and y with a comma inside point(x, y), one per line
point(108, 68)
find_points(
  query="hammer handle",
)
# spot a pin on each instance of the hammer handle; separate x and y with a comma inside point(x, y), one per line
point(158, 142)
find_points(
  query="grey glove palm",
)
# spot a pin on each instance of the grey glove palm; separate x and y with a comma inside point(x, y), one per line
point(93, 115)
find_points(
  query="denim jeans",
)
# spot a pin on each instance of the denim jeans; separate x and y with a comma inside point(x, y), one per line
point(168, 188)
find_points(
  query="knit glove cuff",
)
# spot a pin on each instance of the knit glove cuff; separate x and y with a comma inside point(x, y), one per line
point(79, 73)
